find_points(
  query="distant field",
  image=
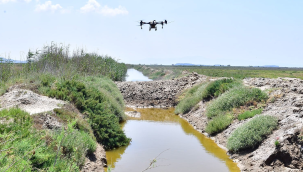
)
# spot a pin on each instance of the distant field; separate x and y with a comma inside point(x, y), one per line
point(237, 72)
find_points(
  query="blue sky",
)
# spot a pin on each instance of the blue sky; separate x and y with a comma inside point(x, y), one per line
point(234, 32)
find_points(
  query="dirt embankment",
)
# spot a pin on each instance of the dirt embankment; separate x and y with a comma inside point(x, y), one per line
point(160, 94)
point(156, 74)
point(41, 108)
point(287, 105)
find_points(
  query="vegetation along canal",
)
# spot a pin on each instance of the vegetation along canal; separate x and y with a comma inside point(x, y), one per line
point(160, 131)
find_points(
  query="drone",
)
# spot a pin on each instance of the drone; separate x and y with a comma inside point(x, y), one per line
point(153, 24)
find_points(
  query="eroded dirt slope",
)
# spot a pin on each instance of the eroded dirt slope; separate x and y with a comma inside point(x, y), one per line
point(287, 106)
point(157, 93)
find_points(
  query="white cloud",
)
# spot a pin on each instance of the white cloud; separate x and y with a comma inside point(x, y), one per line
point(27, 1)
point(113, 11)
point(94, 6)
point(47, 6)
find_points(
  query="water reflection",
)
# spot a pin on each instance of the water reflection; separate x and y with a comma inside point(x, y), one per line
point(160, 129)
point(134, 75)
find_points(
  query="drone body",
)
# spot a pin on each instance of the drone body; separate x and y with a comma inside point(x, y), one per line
point(153, 24)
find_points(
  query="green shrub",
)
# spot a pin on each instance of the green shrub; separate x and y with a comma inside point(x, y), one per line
point(105, 85)
point(46, 79)
point(252, 133)
point(80, 123)
point(203, 91)
point(249, 114)
point(107, 130)
point(218, 87)
point(236, 97)
point(192, 97)
point(155, 75)
point(23, 148)
point(218, 124)
point(20, 121)
point(56, 59)
point(104, 113)
point(186, 105)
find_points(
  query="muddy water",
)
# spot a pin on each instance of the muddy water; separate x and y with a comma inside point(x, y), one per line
point(158, 130)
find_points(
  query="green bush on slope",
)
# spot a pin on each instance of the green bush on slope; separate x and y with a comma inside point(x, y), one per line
point(234, 98)
point(104, 113)
point(191, 98)
point(204, 91)
point(23, 148)
point(252, 133)
point(218, 123)
point(45, 71)
point(218, 87)
point(249, 114)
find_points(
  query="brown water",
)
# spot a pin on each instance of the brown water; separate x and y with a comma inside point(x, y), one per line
point(158, 130)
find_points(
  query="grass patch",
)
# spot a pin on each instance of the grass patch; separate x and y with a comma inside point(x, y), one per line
point(105, 85)
point(250, 114)
point(236, 97)
point(24, 148)
point(157, 75)
point(218, 87)
point(218, 124)
point(237, 72)
point(252, 133)
point(204, 91)
point(191, 98)
point(81, 124)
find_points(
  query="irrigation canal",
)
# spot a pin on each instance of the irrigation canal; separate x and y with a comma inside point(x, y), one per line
point(160, 131)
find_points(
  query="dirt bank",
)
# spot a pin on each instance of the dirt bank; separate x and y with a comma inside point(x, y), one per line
point(158, 74)
point(29, 101)
point(96, 161)
point(287, 106)
point(160, 94)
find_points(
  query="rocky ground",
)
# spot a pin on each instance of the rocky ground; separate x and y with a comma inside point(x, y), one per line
point(160, 94)
point(286, 103)
point(96, 161)
point(29, 101)
point(41, 108)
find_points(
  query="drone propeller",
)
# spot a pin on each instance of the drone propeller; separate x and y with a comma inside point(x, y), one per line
point(140, 26)
point(141, 22)
point(166, 22)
